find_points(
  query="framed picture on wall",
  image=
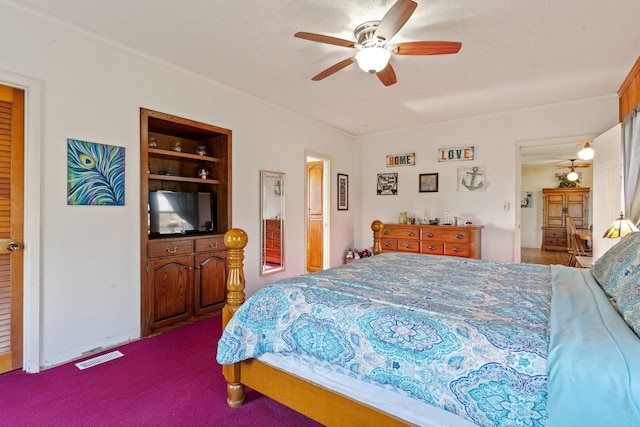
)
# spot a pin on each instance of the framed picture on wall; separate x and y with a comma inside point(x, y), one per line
point(428, 183)
point(387, 184)
point(343, 192)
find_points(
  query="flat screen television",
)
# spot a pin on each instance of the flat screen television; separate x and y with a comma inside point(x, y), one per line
point(175, 212)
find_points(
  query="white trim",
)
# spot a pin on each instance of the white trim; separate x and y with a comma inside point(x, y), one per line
point(32, 180)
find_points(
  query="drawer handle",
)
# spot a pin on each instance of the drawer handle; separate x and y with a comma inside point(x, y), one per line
point(385, 232)
point(410, 234)
point(172, 250)
point(408, 246)
point(429, 234)
point(387, 245)
point(456, 250)
point(213, 246)
point(432, 248)
point(459, 236)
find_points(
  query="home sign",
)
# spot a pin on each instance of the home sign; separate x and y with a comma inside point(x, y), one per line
point(408, 159)
point(455, 154)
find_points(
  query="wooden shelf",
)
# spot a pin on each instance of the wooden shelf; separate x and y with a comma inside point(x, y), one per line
point(183, 179)
point(183, 278)
point(179, 154)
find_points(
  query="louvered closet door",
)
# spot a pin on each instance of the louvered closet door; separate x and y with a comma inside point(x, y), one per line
point(11, 226)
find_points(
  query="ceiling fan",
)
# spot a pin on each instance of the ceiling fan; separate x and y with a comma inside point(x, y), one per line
point(373, 51)
point(572, 175)
point(573, 165)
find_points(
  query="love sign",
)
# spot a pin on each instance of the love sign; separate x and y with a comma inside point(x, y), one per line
point(455, 154)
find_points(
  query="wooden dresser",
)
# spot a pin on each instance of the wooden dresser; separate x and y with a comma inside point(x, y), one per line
point(432, 239)
point(272, 241)
point(556, 203)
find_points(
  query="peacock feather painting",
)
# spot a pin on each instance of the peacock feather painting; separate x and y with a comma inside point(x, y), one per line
point(95, 174)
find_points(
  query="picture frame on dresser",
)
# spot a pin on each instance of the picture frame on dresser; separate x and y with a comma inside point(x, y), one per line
point(343, 192)
point(428, 183)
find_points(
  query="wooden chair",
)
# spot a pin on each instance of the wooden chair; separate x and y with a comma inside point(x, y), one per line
point(576, 246)
point(571, 250)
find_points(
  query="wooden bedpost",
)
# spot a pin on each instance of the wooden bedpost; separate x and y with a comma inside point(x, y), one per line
point(376, 226)
point(235, 240)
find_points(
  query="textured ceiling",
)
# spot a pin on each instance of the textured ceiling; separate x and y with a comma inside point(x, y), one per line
point(515, 54)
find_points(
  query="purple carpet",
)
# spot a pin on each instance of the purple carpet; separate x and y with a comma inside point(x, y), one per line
point(169, 380)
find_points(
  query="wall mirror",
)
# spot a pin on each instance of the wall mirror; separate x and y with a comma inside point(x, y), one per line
point(272, 221)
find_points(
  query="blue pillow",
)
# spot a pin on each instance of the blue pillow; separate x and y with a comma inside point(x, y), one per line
point(618, 273)
point(629, 304)
point(619, 263)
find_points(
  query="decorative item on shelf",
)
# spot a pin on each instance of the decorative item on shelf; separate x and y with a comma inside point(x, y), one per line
point(149, 168)
point(201, 150)
point(620, 228)
point(177, 147)
point(203, 173)
point(152, 142)
point(402, 218)
point(435, 221)
point(447, 219)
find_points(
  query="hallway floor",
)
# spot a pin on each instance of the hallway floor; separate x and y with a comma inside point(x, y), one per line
point(538, 256)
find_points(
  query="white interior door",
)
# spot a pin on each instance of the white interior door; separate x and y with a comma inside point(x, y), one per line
point(607, 186)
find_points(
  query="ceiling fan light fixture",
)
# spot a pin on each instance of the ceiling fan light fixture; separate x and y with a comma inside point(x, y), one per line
point(573, 175)
point(373, 59)
point(586, 153)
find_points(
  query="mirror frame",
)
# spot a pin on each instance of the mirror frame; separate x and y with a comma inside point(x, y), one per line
point(272, 204)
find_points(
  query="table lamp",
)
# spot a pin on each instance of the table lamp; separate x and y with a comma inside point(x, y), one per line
point(620, 228)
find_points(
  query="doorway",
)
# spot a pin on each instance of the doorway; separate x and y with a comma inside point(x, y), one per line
point(11, 227)
point(317, 212)
point(541, 164)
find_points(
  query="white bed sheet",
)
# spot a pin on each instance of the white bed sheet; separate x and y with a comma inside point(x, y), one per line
point(411, 410)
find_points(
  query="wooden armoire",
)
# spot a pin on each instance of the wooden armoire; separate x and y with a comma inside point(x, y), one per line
point(556, 203)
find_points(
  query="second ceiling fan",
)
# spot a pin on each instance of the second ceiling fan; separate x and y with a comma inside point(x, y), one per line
point(373, 51)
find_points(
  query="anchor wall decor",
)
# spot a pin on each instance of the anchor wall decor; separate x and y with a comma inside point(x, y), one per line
point(471, 178)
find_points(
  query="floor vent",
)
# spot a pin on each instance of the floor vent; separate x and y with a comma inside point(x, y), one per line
point(99, 359)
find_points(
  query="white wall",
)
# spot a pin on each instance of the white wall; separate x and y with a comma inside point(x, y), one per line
point(495, 139)
point(89, 256)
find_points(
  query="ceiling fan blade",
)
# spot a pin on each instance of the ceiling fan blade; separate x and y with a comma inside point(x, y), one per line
point(334, 69)
point(387, 76)
point(425, 48)
point(395, 19)
point(324, 39)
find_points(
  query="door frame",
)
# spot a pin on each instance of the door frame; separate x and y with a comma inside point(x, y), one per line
point(520, 145)
point(326, 202)
point(32, 178)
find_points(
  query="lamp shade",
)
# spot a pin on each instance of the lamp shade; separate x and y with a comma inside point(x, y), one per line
point(620, 228)
point(586, 153)
point(372, 59)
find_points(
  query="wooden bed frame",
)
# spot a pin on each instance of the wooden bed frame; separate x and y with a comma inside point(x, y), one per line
point(316, 402)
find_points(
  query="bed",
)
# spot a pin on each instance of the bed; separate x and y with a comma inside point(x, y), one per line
point(428, 340)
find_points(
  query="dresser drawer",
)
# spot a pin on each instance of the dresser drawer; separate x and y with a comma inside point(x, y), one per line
point(457, 250)
point(555, 233)
point(389, 244)
point(208, 244)
point(409, 246)
point(441, 234)
point(432, 248)
point(162, 248)
point(400, 232)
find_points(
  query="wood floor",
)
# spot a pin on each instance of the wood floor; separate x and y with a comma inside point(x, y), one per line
point(538, 256)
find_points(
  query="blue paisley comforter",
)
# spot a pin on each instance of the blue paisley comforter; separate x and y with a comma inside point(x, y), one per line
point(468, 336)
